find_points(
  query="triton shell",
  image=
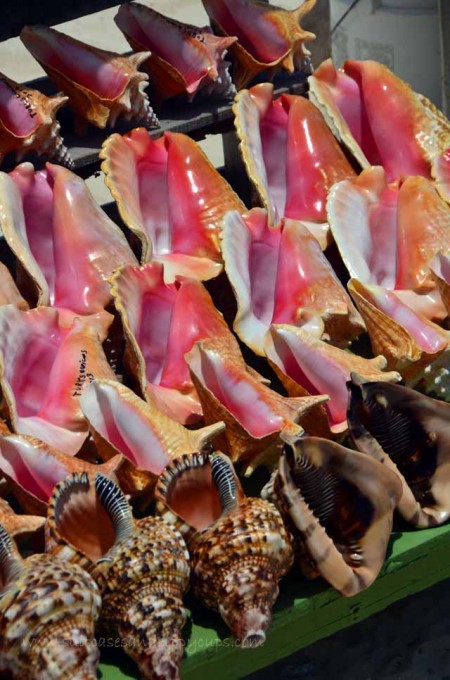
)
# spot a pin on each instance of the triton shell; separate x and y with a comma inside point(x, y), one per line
point(160, 186)
point(280, 275)
point(308, 366)
point(33, 468)
point(184, 59)
point(161, 322)
point(339, 505)
point(9, 293)
point(61, 237)
point(121, 422)
point(239, 546)
point(406, 338)
point(48, 611)
point(388, 234)
point(269, 37)
point(410, 433)
point(28, 122)
point(379, 117)
point(44, 367)
point(141, 568)
point(101, 86)
point(290, 155)
point(253, 413)
point(18, 526)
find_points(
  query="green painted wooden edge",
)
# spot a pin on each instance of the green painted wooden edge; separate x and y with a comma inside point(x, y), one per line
point(308, 611)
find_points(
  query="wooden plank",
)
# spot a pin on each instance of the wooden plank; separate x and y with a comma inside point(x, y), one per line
point(306, 612)
point(444, 16)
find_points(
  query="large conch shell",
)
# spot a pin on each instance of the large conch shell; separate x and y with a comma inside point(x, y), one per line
point(121, 422)
point(28, 122)
point(253, 413)
point(44, 367)
point(19, 526)
point(290, 155)
point(32, 469)
point(61, 236)
point(380, 119)
point(405, 337)
point(161, 323)
point(408, 432)
point(141, 568)
point(184, 58)
point(102, 86)
point(48, 611)
point(388, 234)
point(339, 505)
point(308, 366)
point(269, 37)
point(239, 546)
point(9, 293)
point(162, 185)
point(280, 275)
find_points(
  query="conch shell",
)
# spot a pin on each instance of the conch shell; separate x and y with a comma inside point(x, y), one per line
point(184, 58)
point(141, 568)
point(239, 546)
point(160, 186)
point(339, 509)
point(48, 611)
point(290, 155)
point(280, 275)
point(408, 432)
point(161, 323)
point(28, 122)
point(269, 37)
point(253, 413)
point(308, 366)
point(44, 367)
point(101, 86)
point(380, 119)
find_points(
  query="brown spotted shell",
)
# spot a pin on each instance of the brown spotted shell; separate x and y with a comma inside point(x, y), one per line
point(48, 611)
point(239, 546)
point(141, 567)
point(410, 433)
point(339, 510)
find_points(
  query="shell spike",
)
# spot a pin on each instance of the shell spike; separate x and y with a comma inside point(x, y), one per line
point(303, 9)
point(117, 507)
point(10, 560)
point(202, 436)
point(225, 480)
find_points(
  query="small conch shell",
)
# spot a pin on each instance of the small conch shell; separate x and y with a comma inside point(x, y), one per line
point(239, 546)
point(184, 58)
point(28, 122)
point(339, 509)
point(269, 37)
point(48, 610)
point(101, 85)
point(141, 568)
point(408, 432)
point(253, 413)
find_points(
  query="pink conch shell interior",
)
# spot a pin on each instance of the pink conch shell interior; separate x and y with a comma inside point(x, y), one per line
point(163, 321)
point(14, 115)
point(67, 236)
point(393, 126)
point(368, 216)
point(45, 367)
point(290, 155)
point(321, 368)
point(161, 186)
point(280, 275)
point(194, 52)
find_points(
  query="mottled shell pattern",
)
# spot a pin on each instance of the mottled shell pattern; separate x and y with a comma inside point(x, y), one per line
point(410, 433)
point(28, 122)
point(239, 546)
point(140, 566)
point(48, 610)
point(339, 510)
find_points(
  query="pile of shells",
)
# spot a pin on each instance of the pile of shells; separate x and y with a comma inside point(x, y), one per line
point(134, 405)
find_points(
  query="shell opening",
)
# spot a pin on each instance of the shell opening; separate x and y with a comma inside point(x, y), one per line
point(194, 497)
point(78, 505)
point(255, 639)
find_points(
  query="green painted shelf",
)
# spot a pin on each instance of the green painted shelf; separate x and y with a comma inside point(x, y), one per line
point(306, 612)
